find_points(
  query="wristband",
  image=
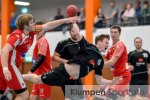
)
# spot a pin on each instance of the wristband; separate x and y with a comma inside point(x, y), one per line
point(5, 68)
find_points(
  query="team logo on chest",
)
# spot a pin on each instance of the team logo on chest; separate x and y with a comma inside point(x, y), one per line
point(145, 55)
point(99, 62)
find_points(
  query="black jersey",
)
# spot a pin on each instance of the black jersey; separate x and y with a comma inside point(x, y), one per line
point(67, 49)
point(89, 58)
point(139, 60)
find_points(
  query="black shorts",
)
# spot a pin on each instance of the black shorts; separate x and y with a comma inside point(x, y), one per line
point(139, 86)
point(55, 77)
point(76, 83)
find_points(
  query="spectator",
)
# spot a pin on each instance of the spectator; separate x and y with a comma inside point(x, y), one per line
point(99, 19)
point(129, 13)
point(59, 15)
point(146, 12)
point(122, 12)
point(82, 18)
point(12, 21)
point(138, 11)
point(113, 14)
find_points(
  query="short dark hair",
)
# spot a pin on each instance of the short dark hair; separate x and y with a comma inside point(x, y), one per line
point(101, 37)
point(137, 38)
point(116, 27)
point(146, 2)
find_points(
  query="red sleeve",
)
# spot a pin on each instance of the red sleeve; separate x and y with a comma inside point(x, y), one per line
point(119, 49)
point(37, 29)
point(43, 46)
point(14, 40)
point(107, 55)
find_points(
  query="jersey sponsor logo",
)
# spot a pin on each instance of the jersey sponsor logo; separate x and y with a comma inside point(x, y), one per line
point(145, 55)
point(44, 77)
point(92, 62)
point(99, 62)
point(140, 59)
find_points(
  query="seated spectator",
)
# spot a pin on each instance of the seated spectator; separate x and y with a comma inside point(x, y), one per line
point(122, 12)
point(129, 13)
point(113, 17)
point(99, 19)
point(138, 11)
point(81, 15)
point(12, 21)
point(59, 15)
point(146, 12)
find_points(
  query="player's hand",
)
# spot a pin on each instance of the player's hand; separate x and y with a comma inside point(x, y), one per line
point(72, 19)
point(116, 80)
point(65, 61)
point(131, 67)
point(37, 28)
point(7, 73)
point(29, 72)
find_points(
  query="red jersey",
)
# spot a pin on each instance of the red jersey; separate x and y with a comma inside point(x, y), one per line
point(42, 47)
point(20, 43)
point(118, 50)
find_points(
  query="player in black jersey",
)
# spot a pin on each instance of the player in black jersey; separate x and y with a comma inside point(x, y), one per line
point(87, 59)
point(64, 51)
point(139, 61)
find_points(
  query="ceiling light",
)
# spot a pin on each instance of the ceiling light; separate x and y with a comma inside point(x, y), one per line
point(22, 3)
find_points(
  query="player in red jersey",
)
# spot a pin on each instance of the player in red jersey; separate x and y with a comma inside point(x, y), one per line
point(117, 58)
point(41, 64)
point(19, 42)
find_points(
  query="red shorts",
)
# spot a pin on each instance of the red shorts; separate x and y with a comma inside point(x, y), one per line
point(17, 82)
point(122, 87)
point(41, 90)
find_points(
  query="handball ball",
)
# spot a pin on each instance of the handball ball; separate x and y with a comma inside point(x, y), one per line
point(71, 10)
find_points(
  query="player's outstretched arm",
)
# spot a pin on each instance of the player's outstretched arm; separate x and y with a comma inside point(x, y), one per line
point(32, 78)
point(76, 32)
point(53, 24)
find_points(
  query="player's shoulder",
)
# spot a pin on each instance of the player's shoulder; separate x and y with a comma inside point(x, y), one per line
point(42, 39)
point(132, 52)
point(17, 33)
point(64, 41)
point(120, 43)
point(146, 51)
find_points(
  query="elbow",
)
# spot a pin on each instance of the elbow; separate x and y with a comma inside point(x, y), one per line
point(54, 58)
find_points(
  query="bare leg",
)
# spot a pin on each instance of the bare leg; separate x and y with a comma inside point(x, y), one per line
point(33, 97)
point(23, 96)
point(73, 70)
point(36, 97)
point(44, 99)
point(33, 78)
